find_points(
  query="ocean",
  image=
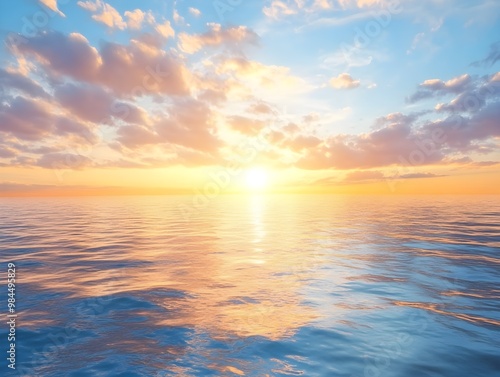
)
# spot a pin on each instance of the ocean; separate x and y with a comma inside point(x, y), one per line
point(253, 285)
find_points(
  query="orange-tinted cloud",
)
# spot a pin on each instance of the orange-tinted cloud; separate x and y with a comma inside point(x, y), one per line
point(230, 37)
point(344, 81)
point(128, 70)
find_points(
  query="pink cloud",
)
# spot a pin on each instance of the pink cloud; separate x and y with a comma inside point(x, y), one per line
point(247, 126)
point(133, 70)
point(190, 124)
point(217, 36)
point(104, 13)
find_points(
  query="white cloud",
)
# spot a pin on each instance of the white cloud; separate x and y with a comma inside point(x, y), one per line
point(194, 11)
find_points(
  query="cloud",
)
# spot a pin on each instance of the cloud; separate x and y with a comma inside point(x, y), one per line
point(434, 87)
point(344, 81)
point(384, 147)
point(37, 120)
point(474, 96)
point(247, 126)
point(278, 9)
point(26, 119)
point(70, 54)
point(64, 161)
point(178, 19)
point(70, 89)
point(231, 37)
point(52, 5)
point(7, 152)
point(165, 29)
point(418, 176)
point(195, 12)
point(190, 124)
point(260, 108)
point(368, 176)
point(88, 102)
point(133, 70)
point(463, 133)
point(15, 81)
point(136, 18)
point(365, 3)
point(400, 141)
point(299, 143)
point(263, 79)
point(104, 13)
point(109, 16)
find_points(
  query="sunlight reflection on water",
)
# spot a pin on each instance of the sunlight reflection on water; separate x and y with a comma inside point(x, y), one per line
point(259, 285)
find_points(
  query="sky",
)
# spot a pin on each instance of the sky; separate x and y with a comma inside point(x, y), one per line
point(317, 96)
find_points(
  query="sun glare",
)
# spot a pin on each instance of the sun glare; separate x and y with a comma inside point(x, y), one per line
point(256, 179)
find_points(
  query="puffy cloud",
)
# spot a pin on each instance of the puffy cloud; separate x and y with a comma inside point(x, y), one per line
point(189, 123)
point(266, 79)
point(35, 120)
point(97, 105)
point(474, 96)
point(300, 143)
point(136, 18)
point(247, 126)
point(217, 35)
point(88, 102)
point(69, 55)
point(397, 118)
point(434, 87)
point(387, 146)
point(344, 81)
point(462, 133)
point(52, 5)
point(195, 12)
point(91, 6)
point(278, 9)
point(15, 81)
point(260, 108)
point(105, 13)
point(138, 68)
point(26, 119)
point(165, 29)
point(130, 70)
point(291, 128)
point(133, 136)
point(109, 16)
point(90, 86)
point(178, 19)
point(400, 142)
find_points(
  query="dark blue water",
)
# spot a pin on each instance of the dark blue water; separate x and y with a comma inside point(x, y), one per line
point(254, 286)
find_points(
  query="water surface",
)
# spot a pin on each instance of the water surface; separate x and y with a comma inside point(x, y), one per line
point(291, 285)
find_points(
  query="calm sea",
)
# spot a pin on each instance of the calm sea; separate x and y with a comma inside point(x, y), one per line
point(291, 285)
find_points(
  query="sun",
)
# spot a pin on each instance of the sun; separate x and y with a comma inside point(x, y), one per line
point(256, 179)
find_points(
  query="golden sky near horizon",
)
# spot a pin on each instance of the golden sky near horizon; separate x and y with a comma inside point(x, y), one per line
point(351, 96)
